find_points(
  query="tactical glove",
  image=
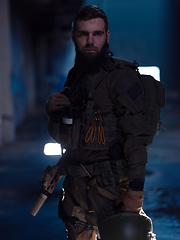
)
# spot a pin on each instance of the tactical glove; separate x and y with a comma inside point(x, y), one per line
point(132, 201)
point(55, 102)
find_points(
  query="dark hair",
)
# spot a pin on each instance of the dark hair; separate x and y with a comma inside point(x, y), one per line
point(89, 12)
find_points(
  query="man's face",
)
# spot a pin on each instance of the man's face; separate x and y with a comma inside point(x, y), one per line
point(90, 36)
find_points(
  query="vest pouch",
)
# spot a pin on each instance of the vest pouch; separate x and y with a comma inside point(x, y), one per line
point(112, 170)
point(54, 129)
point(70, 131)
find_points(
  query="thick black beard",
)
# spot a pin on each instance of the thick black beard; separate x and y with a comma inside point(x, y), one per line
point(90, 63)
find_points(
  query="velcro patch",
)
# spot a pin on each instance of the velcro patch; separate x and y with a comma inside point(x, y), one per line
point(135, 91)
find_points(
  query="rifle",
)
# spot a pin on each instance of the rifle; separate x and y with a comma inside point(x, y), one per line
point(49, 179)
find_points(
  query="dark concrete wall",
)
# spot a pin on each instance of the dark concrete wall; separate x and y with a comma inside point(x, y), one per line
point(148, 31)
point(22, 69)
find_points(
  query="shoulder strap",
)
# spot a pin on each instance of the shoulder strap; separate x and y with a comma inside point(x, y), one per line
point(108, 65)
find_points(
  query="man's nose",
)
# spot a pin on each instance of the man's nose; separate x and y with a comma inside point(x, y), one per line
point(90, 39)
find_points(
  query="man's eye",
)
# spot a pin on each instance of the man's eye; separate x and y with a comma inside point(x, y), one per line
point(83, 34)
point(98, 34)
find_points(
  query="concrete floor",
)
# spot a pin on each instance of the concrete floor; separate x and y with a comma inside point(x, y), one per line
point(22, 163)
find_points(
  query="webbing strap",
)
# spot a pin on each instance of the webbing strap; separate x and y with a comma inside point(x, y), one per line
point(78, 223)
point(108, 65)
point(81, 170)
point(102, 191)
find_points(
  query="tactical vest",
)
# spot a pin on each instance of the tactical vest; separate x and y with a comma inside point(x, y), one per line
point(91, 126)
point(94, 128)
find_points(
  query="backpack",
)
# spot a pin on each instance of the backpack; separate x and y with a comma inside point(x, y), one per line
point(154, 96)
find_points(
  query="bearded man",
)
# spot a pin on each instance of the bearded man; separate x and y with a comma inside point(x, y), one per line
point(99, 118)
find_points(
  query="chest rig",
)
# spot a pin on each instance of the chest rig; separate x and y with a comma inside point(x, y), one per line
point(90, 125)
point(93, 128)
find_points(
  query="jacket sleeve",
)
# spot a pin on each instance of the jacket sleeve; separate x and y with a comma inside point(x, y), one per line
point(127, 94)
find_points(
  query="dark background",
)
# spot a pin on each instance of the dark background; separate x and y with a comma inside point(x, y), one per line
point(145, 31)
point(40, 53)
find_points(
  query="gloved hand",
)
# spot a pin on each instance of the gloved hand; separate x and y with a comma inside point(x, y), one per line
point(56, 101)
point(132, 201)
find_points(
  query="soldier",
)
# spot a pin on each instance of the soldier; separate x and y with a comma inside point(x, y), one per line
point(99, 118)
